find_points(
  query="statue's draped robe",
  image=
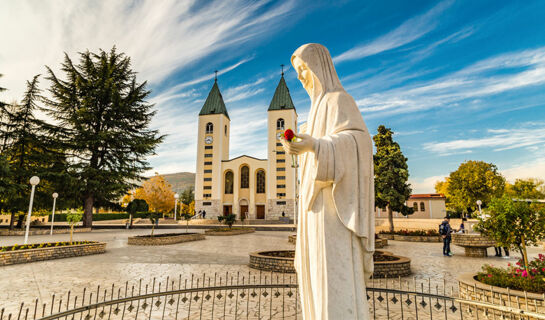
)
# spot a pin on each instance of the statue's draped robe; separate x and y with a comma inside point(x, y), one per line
point(335, 241)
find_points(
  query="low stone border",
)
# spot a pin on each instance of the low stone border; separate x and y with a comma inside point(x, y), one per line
point(60, 230)
point(381, 243)
point(292, 238)
point(275, 261)
point(475, 245)
point(214, 232)
point(472, 289)
point(164, 239)
point(41, 254)
point(386, 236)
point(391, 266)
point(398, 237)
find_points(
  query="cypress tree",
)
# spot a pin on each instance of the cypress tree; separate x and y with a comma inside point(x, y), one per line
point(391, 175)
point(105, 117)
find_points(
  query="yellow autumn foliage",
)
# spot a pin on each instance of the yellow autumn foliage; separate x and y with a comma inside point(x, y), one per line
point(158, 194)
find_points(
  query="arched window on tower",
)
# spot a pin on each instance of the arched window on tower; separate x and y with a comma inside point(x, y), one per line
point(280, 124)
point(225, 130)
point(260, 181)
point(244, 177)
point(229, 182)
point(209, 127)
point(422, 206)
point(415, 206)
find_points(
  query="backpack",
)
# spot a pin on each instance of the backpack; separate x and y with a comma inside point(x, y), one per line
point(442, 230)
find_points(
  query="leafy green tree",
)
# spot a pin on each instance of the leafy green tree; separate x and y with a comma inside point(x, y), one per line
point(187, 196)
point(228, 220)
point(515, 224)
point(186, 216)
point(526, 189)
point(73, 219)
point(136, 205)
point(391, 175)
point(472, 181)
point(29, 149)
point(154, 218)
point(106, 118)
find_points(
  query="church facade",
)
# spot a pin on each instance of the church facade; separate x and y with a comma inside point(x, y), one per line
point(245, 185)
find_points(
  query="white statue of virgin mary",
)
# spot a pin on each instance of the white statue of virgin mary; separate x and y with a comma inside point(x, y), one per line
point(335, 240)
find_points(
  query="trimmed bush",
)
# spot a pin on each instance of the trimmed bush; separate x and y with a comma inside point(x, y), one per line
point(413, 232)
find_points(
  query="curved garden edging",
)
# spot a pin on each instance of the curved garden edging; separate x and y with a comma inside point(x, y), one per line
point(381, 243)
point(164, 239)
point(215, 232)
point(475, 245)
point(472, 289)
point(388, 265)
point(50, 253)
point(275, 261)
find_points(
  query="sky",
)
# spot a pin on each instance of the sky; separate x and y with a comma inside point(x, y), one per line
point(455, 80)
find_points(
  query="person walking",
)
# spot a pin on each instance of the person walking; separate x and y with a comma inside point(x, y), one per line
point(445, 231)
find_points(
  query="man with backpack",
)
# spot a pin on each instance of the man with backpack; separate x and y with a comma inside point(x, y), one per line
point(445, 231)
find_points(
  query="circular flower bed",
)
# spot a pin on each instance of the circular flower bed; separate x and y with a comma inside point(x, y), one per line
point(228, 231)
point(16, 254)
point(516, 277)
point(276, 261)
point(165, 238)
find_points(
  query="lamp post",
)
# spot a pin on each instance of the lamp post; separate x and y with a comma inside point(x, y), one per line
point(55, 196)
point(176, 196)
point(33, 181)
point(479, 202)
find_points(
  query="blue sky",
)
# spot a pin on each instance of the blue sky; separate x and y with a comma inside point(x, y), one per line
point(456, 80)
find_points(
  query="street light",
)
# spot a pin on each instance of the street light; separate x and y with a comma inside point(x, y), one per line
point(176, 196)
point(33, 181)
point(479, 202)
point(55, 196)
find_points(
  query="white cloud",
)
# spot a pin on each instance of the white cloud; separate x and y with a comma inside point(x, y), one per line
point(532, 169)
point(407, 32)
point(499, 140)
point(160, 38)
point(513, 70)
point(425, 185)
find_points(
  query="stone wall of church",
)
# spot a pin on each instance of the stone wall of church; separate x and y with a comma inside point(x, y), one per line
point(275, 210)
point(212, 211)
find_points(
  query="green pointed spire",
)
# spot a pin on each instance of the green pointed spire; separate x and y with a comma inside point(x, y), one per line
point(281, 99)
point(214, 103)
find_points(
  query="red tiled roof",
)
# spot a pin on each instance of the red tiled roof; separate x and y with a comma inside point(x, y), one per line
point(427, 196)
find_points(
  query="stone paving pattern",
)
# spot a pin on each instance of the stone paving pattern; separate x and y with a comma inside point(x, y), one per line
point(218, 255)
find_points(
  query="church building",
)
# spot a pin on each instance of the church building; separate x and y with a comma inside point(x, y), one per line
point(245, 185)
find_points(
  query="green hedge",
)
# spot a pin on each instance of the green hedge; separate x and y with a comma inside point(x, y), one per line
point(61, 217)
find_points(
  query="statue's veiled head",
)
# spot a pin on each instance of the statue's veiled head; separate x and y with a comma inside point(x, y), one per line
point(315, 69)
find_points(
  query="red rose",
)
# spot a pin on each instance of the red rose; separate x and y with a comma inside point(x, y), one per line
point(289, 135)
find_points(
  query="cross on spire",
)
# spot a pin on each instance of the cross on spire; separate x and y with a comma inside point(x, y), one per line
point(216, 76)
point(282, 69)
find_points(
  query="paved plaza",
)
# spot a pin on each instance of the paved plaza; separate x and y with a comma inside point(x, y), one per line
point(122, 263)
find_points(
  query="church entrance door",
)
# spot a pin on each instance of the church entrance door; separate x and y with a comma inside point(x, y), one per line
point(260, 211)
point(227, 210)
point(244, 211)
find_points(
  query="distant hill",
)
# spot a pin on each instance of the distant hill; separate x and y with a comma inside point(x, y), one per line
point(181, 180)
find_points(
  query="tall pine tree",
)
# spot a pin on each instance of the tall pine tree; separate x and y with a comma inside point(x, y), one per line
point(391, 175)
point(106, 118)
point(30, 150)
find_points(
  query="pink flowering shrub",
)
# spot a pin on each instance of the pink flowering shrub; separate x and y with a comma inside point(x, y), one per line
point(516, 277)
